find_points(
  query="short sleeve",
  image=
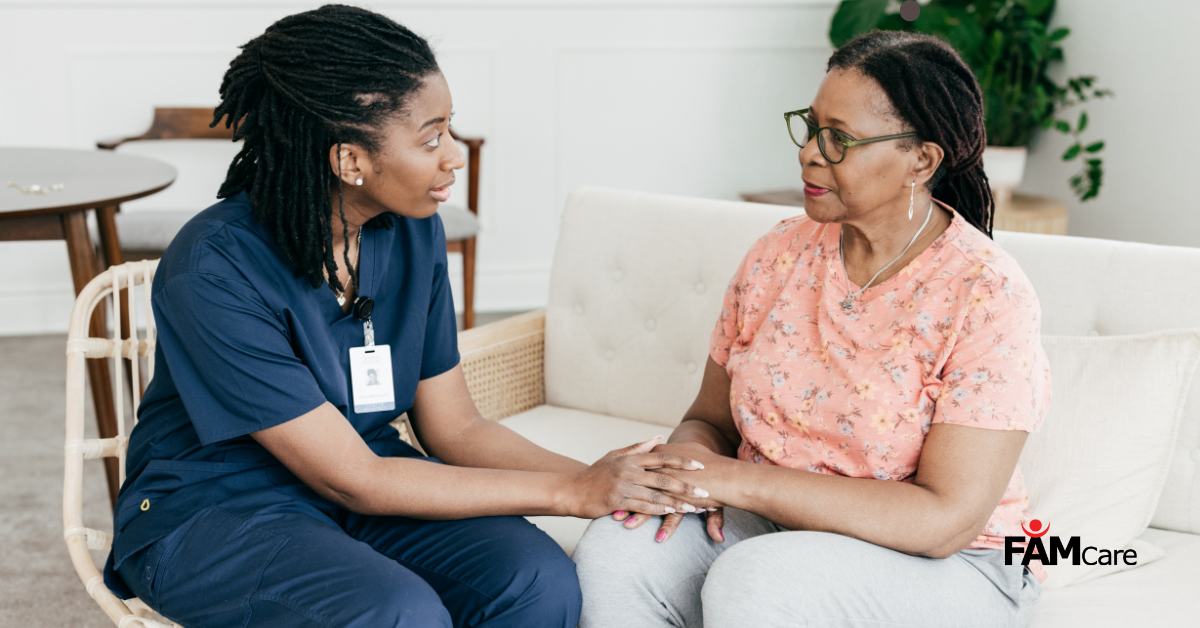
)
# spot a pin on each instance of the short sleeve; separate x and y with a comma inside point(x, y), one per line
point(230, 357)
point(729, 323)
point(997, 375)
point(440, 352)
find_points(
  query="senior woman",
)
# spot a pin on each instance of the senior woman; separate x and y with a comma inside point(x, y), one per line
point(297, 318)
point(873, 376)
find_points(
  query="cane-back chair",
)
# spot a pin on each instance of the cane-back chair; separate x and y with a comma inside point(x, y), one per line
point(125, 290)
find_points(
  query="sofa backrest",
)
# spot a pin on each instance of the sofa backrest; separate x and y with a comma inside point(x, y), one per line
point(638, 280)
point(1091, 287)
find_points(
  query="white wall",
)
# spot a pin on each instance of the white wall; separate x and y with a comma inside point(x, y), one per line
point(1147, 52)
point(681, 97)
point(671, 96)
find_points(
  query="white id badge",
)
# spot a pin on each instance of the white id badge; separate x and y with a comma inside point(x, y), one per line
point(371, 379)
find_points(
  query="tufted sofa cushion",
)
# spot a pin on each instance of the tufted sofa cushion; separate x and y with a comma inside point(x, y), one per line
point(635, 289)
point(638, 280)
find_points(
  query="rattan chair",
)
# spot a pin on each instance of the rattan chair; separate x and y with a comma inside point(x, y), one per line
point(116, 285)
point(502, 363)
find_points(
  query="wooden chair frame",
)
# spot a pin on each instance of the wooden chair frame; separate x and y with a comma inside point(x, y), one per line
point(467, 247)
point(170, 123)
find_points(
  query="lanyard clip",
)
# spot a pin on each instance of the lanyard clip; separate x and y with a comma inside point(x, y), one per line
point(363, 306)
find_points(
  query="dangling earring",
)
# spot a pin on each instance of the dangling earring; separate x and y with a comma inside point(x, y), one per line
point(912, 190)
point(358, 181)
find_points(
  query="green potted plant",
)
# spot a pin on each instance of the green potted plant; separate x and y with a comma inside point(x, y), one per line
point(1010, 48)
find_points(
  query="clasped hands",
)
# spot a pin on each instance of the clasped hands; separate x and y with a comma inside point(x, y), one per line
point(670, 480)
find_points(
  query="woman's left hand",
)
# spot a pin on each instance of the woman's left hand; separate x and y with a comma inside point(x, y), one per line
point(717, 470)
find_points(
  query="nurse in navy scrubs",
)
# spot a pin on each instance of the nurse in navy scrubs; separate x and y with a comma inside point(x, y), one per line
point(261, 491)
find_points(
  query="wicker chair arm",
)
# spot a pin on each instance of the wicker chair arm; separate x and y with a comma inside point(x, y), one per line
point(504, 365)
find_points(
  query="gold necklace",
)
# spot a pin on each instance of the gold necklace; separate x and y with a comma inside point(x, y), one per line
point(341, 294)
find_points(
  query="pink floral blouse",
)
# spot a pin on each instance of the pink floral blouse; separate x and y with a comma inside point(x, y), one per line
point(952, 338)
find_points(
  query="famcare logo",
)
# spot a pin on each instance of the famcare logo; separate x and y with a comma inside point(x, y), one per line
point(1036, 549)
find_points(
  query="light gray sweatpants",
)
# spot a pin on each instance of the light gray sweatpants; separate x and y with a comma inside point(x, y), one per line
point(765, 576)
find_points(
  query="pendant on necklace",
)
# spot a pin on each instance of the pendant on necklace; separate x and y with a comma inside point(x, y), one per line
point(848, 304)
point(342, 300)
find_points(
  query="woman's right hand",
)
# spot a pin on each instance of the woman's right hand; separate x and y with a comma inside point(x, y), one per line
point(621, 481)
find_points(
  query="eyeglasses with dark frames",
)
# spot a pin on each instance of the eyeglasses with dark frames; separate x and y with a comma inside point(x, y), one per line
point(832, 142)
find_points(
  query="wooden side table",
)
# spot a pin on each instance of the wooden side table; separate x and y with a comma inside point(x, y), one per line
point(1027, 213)
point(1031, 214)
point(90, 180)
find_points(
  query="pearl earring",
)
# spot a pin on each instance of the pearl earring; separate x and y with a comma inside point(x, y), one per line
point(912, 191)
point(358, 181)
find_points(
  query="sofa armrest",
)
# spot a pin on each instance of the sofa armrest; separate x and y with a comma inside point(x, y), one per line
point(504, 364)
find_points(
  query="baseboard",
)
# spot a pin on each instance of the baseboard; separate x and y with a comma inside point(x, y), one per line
point(32, 310)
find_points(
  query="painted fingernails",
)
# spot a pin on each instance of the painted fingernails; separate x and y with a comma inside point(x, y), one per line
point(689, 508)
point(721, 534)
point(662, 534)
point(699, 492)
point(668, 509)
point(619, 513)
point(696, 464)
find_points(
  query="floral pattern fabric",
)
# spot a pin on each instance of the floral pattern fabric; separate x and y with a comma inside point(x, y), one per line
point(951, 338)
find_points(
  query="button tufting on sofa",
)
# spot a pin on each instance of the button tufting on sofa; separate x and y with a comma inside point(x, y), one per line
point(650, 324)
point(700, 287)
point(617, 275)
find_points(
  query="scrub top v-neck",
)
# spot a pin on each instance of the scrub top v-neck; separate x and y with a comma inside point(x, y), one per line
point(244, 345)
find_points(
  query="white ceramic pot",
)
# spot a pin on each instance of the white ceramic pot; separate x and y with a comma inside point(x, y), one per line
point(1005, 167)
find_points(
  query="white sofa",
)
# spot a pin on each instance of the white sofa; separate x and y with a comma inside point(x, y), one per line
point(636, 286)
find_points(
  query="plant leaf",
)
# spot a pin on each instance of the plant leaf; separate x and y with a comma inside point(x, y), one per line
point(1060, 34)
point(854, 17)
point(1039, 8)
point(1083, 120)
point(1062, 126)
point(1096, 147)
point(1072, 152)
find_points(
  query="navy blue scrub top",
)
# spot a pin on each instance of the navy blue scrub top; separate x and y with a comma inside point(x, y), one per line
point(244, 345)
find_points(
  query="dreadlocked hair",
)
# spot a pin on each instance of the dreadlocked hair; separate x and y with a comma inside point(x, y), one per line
point(934, 94)
point(311, 81)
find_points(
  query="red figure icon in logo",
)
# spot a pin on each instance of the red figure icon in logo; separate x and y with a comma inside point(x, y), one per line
point(1038, 530)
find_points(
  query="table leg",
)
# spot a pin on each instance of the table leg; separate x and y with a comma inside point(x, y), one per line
point(110, 244)
point(83, 270)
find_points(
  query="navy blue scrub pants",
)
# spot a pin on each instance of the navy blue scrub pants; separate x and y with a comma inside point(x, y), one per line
point(266, 558)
